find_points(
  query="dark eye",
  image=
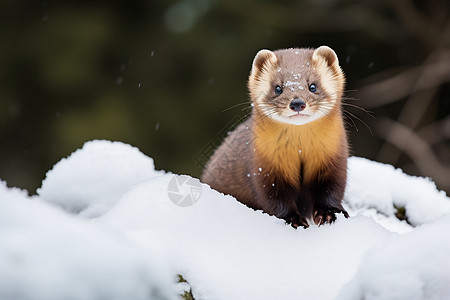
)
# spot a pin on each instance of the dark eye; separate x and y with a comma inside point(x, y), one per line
point(312, 88)
point(278, 90)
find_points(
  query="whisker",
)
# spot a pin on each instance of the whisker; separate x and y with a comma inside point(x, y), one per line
point(348, 117)
point(246, 107)
point(234, 106)
point(359, 120)
point(360, 108)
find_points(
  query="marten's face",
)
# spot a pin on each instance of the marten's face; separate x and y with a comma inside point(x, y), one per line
point(296, 86)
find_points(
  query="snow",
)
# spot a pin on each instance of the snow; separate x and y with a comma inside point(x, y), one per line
point(289, 83)
point(93, 178)
point(412, 266)
point(48, 254)
point(381, 186)
point(103, 226)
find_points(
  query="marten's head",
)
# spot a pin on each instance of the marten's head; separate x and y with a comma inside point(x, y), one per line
point(296, 86)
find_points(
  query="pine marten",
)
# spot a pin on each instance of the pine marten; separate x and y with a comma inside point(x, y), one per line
point(290, 157)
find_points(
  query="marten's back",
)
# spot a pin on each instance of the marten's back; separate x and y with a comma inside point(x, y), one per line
point(228, 169)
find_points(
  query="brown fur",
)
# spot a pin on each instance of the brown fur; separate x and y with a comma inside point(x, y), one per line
point(291, 171)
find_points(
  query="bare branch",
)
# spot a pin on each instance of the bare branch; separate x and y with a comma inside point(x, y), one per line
point(411, 114)
point(399, 86)
point(416, 148)
point(436, 132)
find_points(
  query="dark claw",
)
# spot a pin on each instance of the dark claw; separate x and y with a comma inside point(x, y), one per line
point(297, 221)
point(318, 219)
point(327, 215)
point(331, 218)
point(345, 213)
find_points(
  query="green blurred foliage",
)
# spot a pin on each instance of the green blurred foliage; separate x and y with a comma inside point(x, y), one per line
point(161, 75)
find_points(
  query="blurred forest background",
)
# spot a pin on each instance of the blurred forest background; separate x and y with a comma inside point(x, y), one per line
point(165, 76)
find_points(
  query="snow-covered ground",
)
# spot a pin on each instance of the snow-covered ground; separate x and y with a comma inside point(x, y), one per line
point(106, 225)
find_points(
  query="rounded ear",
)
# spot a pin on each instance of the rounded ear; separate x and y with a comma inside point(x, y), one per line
point(327, 54)
point(263, 59)
point(259, 79)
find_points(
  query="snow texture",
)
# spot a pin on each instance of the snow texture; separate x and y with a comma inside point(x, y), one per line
point(47, 254)
point(94, 178)
point(103, 226)
point(381, 186)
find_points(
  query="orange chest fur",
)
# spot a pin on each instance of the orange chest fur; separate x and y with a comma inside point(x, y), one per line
point(284, 148)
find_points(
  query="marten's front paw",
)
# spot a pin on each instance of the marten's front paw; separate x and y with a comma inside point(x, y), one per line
point(324, 215)
point(297, 221)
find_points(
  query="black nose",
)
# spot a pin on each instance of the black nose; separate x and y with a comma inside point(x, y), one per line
point(297, 105)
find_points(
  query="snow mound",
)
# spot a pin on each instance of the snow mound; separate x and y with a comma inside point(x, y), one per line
point(93, 178)
point(47, 254)
point(381, 186)
point(228, 251)
point(221, 247)
point(413, 266)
